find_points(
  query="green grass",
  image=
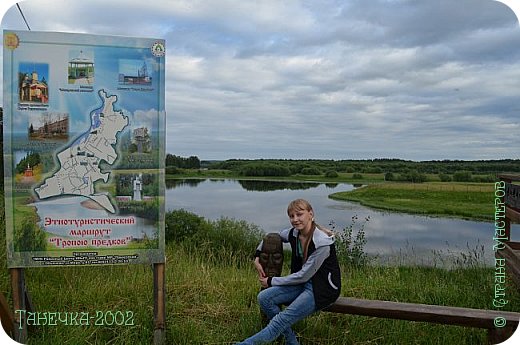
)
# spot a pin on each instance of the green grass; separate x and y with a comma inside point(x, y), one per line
point(465, 200)
point(214, 302)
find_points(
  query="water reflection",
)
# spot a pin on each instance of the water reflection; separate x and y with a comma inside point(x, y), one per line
point(266, 186)
point(412, 238)
point(333, 185)
point(250, 185)
point(174, 183)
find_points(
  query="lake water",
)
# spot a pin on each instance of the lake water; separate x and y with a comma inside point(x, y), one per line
point(393, 237)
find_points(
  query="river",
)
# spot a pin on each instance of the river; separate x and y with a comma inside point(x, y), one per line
point(392, 237)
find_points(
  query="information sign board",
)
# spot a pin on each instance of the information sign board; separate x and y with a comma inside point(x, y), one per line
point(84, 124)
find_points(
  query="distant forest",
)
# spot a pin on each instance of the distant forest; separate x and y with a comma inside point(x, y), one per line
point(382, 165)
point(191, 162)
point(393, 169)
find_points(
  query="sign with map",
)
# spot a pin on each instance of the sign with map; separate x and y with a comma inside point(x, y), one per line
point(84, 141)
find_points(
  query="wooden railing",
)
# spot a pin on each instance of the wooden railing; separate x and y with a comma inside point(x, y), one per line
point(466, 317)
point(511, 199)
point(510, 251)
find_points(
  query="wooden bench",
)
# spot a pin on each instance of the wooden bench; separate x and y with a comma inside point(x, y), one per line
point(467, 317)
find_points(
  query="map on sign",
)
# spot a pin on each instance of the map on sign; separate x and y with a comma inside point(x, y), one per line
point(80, 161)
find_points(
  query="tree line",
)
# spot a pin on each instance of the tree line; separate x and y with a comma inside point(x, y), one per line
point(375, 166)
point(192, 162)
point(393, 169)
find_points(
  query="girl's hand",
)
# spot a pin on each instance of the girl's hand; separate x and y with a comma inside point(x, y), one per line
point(259, 268)
point(263, 282)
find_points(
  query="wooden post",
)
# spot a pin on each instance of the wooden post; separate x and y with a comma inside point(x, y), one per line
point(18, 288)
point(6, 316)
point(507, 220)
point(159, 307)
point(499, 335)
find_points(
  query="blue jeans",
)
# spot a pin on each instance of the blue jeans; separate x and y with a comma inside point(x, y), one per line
point(300, 304)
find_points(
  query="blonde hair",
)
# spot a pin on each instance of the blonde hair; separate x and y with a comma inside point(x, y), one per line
point(304, 205)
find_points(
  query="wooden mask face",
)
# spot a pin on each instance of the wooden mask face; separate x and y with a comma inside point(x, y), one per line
point(271, 257)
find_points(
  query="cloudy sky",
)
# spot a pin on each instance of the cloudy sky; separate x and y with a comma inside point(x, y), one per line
point(409, 79)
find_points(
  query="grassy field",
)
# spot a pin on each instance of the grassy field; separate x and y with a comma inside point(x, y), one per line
point(465, 200)
point(211, 302)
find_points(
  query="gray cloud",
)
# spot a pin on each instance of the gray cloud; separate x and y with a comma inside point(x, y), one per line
point(331, 79)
